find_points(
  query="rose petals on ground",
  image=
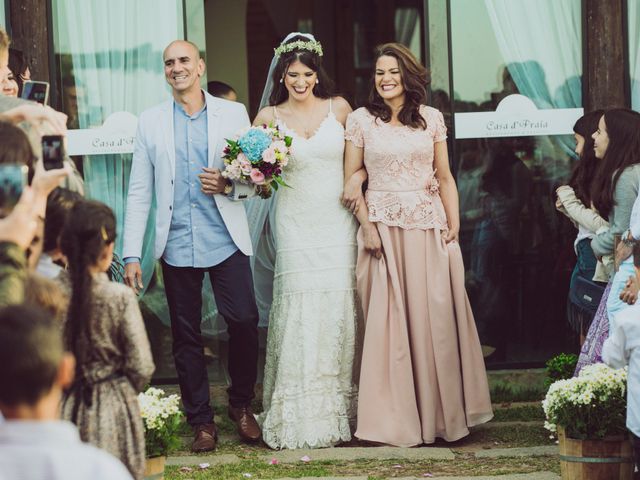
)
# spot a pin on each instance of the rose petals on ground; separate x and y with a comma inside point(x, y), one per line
point(274, 461)
point(247, 475)
point(397, 466)
point(305, 459)
point(204, 466)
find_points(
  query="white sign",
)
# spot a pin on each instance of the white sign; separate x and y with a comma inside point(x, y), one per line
point(116, 135)
point(516, 116)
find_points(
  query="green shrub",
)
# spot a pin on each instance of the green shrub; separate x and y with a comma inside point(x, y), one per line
point(560, 367)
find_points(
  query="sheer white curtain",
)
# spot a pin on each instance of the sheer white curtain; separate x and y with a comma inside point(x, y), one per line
point(541, 43)
point(633, 13)
point(3, 24)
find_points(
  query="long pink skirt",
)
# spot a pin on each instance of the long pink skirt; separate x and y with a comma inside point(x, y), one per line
point(423, 375)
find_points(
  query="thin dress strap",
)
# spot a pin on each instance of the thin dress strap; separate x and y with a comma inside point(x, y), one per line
point(275, 113)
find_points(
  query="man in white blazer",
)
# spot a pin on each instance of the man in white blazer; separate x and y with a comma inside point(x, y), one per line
point(199, 228)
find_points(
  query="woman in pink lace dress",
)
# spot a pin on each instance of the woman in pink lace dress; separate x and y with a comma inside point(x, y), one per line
point(422, 374)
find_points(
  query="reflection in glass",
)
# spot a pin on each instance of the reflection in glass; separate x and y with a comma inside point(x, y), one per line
point(518, 250)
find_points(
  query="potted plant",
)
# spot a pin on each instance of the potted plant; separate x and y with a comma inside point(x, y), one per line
point(162, 419)
point(588, 413)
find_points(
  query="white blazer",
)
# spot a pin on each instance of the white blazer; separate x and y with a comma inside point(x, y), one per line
point(154, 166)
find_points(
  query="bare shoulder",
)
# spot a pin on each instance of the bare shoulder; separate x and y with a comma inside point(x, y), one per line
point(265, 116)
point(341, 109)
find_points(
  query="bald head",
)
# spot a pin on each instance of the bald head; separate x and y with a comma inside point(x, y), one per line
point(182, 44)
point(183, 67)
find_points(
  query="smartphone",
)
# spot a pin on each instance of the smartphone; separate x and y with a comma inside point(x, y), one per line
point(36, 91)
point(13, 178)
point(52, 152)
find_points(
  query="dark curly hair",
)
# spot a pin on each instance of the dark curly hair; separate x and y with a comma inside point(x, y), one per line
point(585, 169)
point(90, 227)
point(415, 79)
point(623, 130)
point(323, 89)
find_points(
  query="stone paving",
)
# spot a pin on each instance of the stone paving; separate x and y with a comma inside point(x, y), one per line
point(360, 453)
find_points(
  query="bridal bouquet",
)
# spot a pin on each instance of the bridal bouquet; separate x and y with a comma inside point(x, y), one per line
point(258, 157)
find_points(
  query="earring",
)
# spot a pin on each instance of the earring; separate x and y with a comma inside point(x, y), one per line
point(317, 81)
point(280, 80)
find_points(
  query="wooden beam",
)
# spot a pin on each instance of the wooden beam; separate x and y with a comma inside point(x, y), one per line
point(30, 33)
point(605, 55)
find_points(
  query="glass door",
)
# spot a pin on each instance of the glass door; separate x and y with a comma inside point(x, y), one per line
point(518, 250)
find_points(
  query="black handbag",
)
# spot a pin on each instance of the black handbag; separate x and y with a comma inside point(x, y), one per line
point(586, 294)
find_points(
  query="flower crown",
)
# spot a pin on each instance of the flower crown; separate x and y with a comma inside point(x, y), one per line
point(310, 45)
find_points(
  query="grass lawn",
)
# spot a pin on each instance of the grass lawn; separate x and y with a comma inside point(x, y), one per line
point(380, 469)
point(514, 425)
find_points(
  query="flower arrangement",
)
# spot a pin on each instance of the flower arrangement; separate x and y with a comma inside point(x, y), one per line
point(258, 156)
point(590, 406)
point(162, 418)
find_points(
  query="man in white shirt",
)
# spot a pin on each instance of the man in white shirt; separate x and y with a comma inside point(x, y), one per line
point(34, 444)
point(623, 348)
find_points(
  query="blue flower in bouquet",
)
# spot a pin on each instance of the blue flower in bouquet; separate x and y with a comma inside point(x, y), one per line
point(253, 143)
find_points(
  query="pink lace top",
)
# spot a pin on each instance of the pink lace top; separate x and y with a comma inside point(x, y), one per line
point(403, 190)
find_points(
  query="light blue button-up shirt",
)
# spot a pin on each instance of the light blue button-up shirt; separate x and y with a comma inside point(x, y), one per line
point(198, 237)
point(52, 450)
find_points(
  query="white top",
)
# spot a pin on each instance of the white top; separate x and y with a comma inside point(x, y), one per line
point(52, 450)
point(623, 348)
point(583, 233)
point(47, 267)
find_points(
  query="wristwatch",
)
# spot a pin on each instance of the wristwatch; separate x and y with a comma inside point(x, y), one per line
point(627, 239)
point(228, 188)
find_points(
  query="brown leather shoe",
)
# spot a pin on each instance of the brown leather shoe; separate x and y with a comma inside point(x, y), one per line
point(248, 428)
point(206, 438)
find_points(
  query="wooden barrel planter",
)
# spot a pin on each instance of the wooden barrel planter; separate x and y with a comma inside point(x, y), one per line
point(606, 459)
point(154, 468)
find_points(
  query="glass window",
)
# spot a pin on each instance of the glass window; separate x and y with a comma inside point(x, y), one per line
point(517, 251)
point(633, 14)
point(109, 59)
point(194, 14)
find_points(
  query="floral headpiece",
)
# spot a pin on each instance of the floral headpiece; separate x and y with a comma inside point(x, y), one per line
point(310, 45)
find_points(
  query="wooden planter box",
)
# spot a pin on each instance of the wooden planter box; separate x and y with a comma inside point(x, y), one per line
point(607, 459)
point(154, 469)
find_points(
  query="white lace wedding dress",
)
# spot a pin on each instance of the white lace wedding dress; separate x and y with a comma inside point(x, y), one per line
point(309, 392)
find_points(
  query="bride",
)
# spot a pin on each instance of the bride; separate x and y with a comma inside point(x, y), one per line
point(309, 392)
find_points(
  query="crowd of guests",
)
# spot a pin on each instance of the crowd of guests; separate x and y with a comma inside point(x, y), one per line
point(74, 352)
point(602, 199)
point(69, 386)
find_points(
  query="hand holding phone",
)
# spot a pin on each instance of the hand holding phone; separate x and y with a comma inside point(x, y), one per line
point(52, 152)
point(36, 91)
